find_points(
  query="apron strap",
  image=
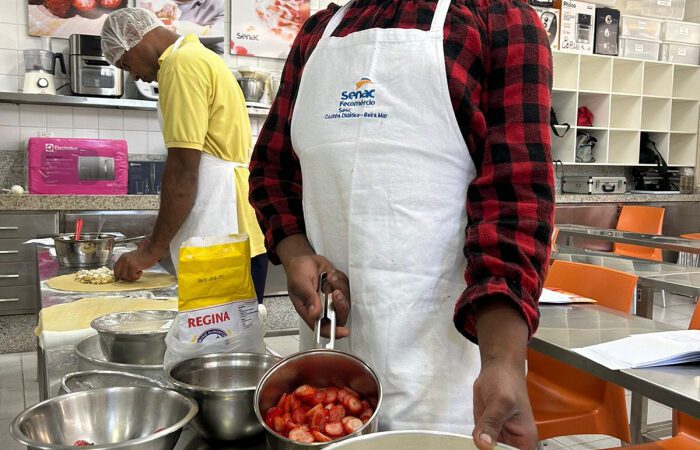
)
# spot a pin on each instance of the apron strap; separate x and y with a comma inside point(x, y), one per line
point(335, 20)
point(440, 15)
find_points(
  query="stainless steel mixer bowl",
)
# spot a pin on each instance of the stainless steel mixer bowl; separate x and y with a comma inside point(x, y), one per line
point(410, 440)
point(223, 384)
point(253, 90)
point(90, 357)
point(125, 418)
point(96, 379)
point(132, 347)
point(320, 368)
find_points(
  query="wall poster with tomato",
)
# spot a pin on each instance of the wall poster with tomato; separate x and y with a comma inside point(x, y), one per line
point(205, 18)
point(266, 28)
point(61, 18)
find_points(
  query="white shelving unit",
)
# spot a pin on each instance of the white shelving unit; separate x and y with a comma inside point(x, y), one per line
point(627, 97)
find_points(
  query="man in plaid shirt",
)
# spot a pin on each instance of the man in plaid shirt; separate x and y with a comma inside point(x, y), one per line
point(407, 154)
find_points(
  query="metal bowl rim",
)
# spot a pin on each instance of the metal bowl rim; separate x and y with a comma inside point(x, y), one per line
point(109, 372)
point(195, 389)
point(107, 237)
point(414, 433)
point(19, 436)
point(96, 337)
point(99, 330)
point(301, 354)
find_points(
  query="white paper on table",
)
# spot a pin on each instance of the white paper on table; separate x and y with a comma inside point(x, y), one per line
point(666, 348)
point(558, 297)
point(47, 242)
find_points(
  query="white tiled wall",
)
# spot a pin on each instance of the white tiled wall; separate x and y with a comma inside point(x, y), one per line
point(139, 128)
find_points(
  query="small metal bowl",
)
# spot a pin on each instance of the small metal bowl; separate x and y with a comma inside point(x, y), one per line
point(124, 418)
point(90, 357)
point(411, 440)
point(223, 384)
point(134, 337)
point(96, 379)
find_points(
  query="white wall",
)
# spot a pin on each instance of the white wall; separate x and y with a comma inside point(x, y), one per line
point(139, 128)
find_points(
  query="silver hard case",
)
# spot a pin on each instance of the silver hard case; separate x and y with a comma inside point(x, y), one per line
point(593, 185)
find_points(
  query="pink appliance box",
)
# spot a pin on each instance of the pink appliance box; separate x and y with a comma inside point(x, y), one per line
point(77, 166)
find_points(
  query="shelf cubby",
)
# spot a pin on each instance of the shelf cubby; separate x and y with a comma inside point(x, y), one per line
point(661, 140)
point(682, 149)
point(565, 70)
point(686, 82)
point(625, 112)
point(684, 115)
point(564, 105)
point(600, 150)
point(658, 79)
point(595, 73)
point(599, 105)
point(656, 114)
point(627, 76)
point(563, 148)
point(623, 147)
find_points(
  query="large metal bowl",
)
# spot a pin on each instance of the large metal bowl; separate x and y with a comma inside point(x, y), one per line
point(134, 337)
point(90, 357)
point(96, 379)
point(411, 440)
point(223, 384)
point(125, 418)
point(320, 368)
point(92, 250)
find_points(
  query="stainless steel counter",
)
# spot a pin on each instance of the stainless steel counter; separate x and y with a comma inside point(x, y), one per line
point(626, 237)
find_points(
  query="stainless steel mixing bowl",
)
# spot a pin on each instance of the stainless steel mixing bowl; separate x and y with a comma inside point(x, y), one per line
point(122, 345)
point(125, 418)
point(410, 440)
point(320, 368)
point(95, 379)
point(90, 357)
point(223, 384)
point(92, 250)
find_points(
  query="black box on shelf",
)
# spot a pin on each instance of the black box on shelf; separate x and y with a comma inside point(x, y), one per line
point(145, 177)
point(607, 31)
point(542, 3)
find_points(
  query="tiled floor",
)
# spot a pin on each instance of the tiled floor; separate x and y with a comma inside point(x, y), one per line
point(19, 387)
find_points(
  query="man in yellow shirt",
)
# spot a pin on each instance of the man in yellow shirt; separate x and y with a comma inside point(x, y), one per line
point(207, 132)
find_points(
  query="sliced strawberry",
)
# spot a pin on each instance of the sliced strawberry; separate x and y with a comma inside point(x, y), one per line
point(320, 437)
point(301, 435)
point(317, 419)
point(84, 5)
point(342, 395)
point(282, 401)
point(336, 413)
point(351, 424)
point(305, 392)
point(366, 415)
point(353, 404)
point(311, 412)
point(271, 414)
point(334, 429)
point(351, 392)
point(331, 394)
point(278, 424)
point(319, 397)
point(82, 443)
point(111, 4)
point(298, 415)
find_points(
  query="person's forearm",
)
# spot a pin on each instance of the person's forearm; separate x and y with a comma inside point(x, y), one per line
point(293, 246)
point(179, 190)
point(502, 333)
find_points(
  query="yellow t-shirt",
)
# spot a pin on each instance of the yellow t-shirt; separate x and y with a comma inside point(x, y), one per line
point(203, 109)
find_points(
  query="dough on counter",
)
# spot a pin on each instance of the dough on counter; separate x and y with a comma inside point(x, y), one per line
point(148, 281)
point(77, 315)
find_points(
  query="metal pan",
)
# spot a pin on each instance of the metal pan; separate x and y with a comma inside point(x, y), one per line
point(90, 251)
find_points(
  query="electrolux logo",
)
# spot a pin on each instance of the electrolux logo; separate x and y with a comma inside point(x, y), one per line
point(51, 148)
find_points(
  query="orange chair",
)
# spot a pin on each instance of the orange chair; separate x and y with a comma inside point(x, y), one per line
point(555, 234)
point(566, 400)
point(640, 219)
point(686, 429)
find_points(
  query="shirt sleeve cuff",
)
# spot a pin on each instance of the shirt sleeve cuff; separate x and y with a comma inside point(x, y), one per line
point(184, 144)
point(278, 231)
point(487, 290)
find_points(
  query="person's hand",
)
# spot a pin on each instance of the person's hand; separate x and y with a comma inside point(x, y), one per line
point(130, 266)
point(502, 411)
point(302, 283)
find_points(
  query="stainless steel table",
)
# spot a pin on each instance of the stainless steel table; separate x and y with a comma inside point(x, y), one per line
point(627, 237)
point(563, 328)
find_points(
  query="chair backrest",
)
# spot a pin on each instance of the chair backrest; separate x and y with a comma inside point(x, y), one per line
point(555, 234)
point(691, 236)
point(610, 288)
point(640, 219)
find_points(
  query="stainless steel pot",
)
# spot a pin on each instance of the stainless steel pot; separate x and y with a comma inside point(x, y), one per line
point(125, 418)
point(411, 440)
point(90, 357)
point(95, 379)
point(92, 250)
point(253, 90)
point(129, 346)
point(320, 368)
point(223, 384)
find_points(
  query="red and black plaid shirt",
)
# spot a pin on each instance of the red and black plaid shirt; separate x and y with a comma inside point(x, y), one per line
point(499, 70)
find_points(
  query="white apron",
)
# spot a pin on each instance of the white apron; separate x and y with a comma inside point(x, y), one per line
point(214, 211)
point(386, 171)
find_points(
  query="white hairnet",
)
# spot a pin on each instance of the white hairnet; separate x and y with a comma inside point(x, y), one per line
point(124, 29)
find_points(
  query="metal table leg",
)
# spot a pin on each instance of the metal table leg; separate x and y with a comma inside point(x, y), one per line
point(42, 374)
point(638, 409)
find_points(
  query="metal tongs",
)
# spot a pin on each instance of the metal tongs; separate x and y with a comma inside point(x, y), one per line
point(327, 312)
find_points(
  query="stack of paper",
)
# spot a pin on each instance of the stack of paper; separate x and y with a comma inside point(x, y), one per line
point(665, 348)
point(558, 297)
